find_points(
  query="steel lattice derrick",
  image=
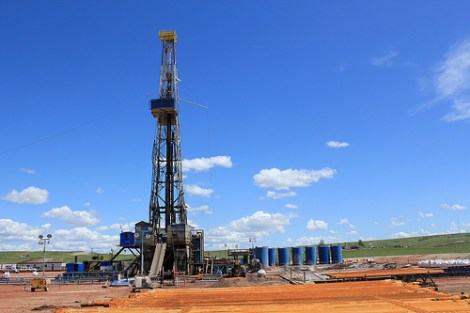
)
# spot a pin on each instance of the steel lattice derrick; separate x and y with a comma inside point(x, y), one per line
point(167, 203)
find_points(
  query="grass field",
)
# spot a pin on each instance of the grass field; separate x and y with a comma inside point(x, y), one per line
point(438, 244)
point(62, 256)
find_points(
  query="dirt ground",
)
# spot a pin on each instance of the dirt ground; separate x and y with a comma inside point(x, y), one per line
point(18, 298)
point(383, 296)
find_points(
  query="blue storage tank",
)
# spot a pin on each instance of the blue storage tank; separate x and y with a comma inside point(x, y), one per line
point(127, 239)
point(261, 253)
point(69, 267)
point(311, 253)
point(324, 254)
point(74, 267)
point(283, 256)
point(272, 253)
point(336, 254)
point(297, 256)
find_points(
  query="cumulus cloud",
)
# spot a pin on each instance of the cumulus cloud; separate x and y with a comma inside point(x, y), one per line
point(291, 206)
point(317, 224)
point(200, 209)
point(258, 225)
point(10, 230)
point(285, 179)
point(422, 214)
point(87, 204)
point(337, 144)
point(280, 195)
point(453, 207)
point(343, 221)
point(123, 226)
point(308, 241)
point(384, 60)
point(99, 190)
point(78, 218)
point(400, 234)
point(79, 239)
point(28, 171)
point(205, 164)
point(30, 195)
point(459, 228)
point(452, 81)
point(394, 222)
point(198, 191)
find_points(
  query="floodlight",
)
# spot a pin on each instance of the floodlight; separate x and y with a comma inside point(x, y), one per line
point(41, 236)
point(49, 236)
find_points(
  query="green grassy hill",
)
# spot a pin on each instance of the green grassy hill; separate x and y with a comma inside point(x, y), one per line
point(438, 244)
point(62, 256)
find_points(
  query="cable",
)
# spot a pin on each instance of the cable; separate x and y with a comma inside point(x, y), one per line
point(53, 135)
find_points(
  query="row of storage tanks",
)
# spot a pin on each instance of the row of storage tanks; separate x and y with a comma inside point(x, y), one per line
point(299, 255)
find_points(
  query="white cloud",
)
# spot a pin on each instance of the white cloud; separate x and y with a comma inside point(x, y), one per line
point(204, 164)
point(453, 207)
point(400, 234)
point(343, 221)
point(351, 232)
point(396, 223)
point(87, 204)
point(452, 81)
point(285, 179)
point(384, 60)
point(11, 230)
point(317, 224)
point(258, 225)
point(460, 110)
point(420, 232)
point(99, 190)
point(17, 236)
point(83, 239)
point(28, 171)
point(200, 209)
point(198, 191)
point(280, 195)
point(459, 228)
point(291, 206)
point(30, 195)
point(376, 223)
point(123, 226)
point(337, 144)
point(193, 224)
point(425, 214)
point(78, 218)
point(308, 241)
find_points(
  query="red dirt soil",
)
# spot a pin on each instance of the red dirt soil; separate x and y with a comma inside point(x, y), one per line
point(359, 297)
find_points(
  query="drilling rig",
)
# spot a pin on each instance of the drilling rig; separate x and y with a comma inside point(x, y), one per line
point(166, 242)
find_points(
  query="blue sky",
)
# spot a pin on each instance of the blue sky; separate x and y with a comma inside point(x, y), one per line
point(333, 120)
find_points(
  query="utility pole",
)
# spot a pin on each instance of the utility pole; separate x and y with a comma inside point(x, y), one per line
point(43, 241)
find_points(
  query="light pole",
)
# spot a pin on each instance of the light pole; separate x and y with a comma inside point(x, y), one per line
point(43, 241)
point(252, 240)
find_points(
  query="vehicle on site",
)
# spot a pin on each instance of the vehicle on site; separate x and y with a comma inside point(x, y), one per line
point(11, 268)
point(40, 283)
